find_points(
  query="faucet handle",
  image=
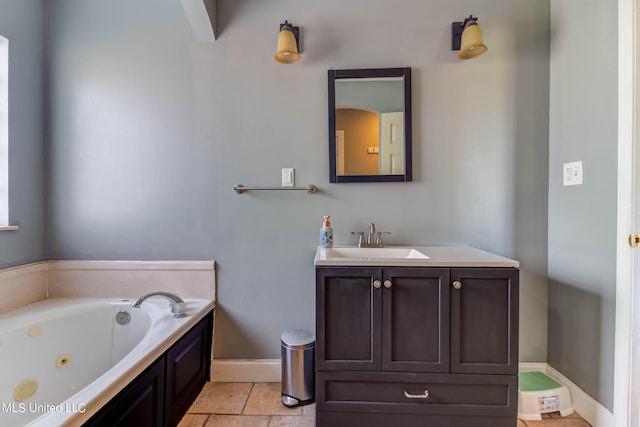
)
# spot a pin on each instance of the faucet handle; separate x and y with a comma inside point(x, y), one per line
point(360, 238)
point(379, 234)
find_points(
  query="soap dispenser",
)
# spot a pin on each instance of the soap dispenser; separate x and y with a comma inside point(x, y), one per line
point(326, 233)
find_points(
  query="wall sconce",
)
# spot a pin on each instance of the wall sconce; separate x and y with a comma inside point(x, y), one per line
point(467, 38)
point(288, 44)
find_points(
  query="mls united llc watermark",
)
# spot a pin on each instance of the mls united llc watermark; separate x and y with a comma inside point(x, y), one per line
point(41, 408)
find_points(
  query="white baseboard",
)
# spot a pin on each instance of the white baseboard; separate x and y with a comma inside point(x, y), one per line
point(246, 370)
point(589, 408)
point(527, 367)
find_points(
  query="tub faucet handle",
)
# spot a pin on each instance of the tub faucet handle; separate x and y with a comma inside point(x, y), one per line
point(178, 306)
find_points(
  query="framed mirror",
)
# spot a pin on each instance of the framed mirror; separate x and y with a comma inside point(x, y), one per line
point(370, 125)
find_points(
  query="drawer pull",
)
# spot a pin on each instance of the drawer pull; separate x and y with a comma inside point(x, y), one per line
point(377, 284)
point(387, 284)
point(416, 396)
point(457, 284)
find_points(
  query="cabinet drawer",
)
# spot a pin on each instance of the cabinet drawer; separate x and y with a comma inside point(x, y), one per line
point(443, 394)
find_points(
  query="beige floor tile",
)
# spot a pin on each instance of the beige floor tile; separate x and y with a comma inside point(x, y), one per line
point(193, 420)
point(309, 410)
point(574, 415)
point(552, 415)
point(221, 398)
point(237, 421)
point(554, 419)
point(291, 421)
point(521, 423)
point(266, 399)
point(559, 422)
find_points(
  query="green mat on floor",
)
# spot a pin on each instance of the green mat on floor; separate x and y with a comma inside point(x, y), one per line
point(536, 381)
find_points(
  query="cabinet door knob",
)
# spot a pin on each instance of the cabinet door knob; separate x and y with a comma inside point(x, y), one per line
point(457, 284)
point(387, 284)
point(416, 396)
point(377, 284)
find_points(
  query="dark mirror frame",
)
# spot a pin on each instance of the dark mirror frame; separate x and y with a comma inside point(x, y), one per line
point(405, 73)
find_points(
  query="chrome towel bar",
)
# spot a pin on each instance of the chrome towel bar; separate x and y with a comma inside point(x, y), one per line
point(239, 188)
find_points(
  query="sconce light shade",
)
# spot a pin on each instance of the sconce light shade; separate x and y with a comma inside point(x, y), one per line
point(467, 38)
point(287, 52)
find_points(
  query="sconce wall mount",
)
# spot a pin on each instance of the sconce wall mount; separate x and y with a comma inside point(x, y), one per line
point(467, 38)
point(288, 50)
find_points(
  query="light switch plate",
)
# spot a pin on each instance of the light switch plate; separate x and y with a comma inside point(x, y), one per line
point(288, 177)
point(572, 173)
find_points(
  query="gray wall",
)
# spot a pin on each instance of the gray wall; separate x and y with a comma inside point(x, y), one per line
point(22, 23)
point(582, 219)
point(150, 131)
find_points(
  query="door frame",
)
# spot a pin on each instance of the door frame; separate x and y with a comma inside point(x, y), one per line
point(626, 399)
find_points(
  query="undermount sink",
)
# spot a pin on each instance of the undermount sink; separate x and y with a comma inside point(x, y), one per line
point(377, 253)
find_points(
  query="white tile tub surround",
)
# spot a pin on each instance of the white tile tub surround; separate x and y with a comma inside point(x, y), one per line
point(29, 283)
point(130, 279)
point(22, 285)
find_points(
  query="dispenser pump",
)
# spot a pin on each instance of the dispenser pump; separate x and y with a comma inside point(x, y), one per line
point(326, 233)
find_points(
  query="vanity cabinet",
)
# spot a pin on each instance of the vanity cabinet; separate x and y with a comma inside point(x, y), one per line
point(416, 345)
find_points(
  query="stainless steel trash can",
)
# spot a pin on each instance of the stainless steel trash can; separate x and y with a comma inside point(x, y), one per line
point(298, 367)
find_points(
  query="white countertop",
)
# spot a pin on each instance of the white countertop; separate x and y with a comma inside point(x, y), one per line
point(438, 256)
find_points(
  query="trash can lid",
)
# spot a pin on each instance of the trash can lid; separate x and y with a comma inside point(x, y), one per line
point(297, 337)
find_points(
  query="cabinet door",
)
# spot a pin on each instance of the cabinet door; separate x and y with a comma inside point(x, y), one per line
point(141, 404)
point(415, 321)
point(188, 365)
point(484, 321)
point(348, 321)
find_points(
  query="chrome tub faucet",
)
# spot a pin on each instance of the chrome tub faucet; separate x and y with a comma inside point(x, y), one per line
point(178, 306)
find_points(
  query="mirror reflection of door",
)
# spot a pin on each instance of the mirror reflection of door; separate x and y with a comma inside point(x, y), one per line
point(391, 155)
point(340, 152)
point(360, 129)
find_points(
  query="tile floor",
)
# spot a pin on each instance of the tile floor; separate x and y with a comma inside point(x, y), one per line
point(259, 405)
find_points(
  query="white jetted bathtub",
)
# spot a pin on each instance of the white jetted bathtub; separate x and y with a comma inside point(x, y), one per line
point(61, 360)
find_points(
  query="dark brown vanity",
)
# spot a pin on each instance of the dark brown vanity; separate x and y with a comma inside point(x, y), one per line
point(417, 342)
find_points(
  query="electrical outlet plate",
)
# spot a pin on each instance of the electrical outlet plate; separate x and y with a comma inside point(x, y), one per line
point(288, 177)
point(572, 173)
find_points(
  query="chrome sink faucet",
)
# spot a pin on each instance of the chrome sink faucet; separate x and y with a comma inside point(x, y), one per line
point(372, 232)
point(373, 240)
point(178, 306)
